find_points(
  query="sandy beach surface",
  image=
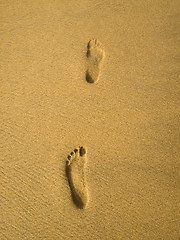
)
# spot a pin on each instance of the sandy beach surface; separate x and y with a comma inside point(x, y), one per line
point(90, 119)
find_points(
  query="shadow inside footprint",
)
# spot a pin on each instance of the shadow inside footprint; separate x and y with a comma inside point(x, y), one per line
point(75, 197)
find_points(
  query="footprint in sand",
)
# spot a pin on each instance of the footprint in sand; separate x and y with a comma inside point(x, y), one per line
point(95, 56)
point(75, 166)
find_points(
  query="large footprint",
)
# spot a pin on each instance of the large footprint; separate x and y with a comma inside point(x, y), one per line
point(76, 177)
point(95, 56)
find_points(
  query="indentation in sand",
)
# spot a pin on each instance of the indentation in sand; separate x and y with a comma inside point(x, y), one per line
point(75, 166)
point(95, 55)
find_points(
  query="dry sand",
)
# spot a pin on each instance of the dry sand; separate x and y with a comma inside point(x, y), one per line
point(127, 119)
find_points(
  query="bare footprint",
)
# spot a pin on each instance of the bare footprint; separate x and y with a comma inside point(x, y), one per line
point(95, 56)
point(76, 177)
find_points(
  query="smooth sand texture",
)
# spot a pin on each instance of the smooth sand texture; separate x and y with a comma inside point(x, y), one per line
point(128, 119)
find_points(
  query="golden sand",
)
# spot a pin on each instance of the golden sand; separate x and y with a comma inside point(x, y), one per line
point(117, 97)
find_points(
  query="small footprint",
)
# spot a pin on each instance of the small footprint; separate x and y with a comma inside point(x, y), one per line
point(95, 56)
point(75, 166)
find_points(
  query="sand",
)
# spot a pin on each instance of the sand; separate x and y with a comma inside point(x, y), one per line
point(126, 117)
